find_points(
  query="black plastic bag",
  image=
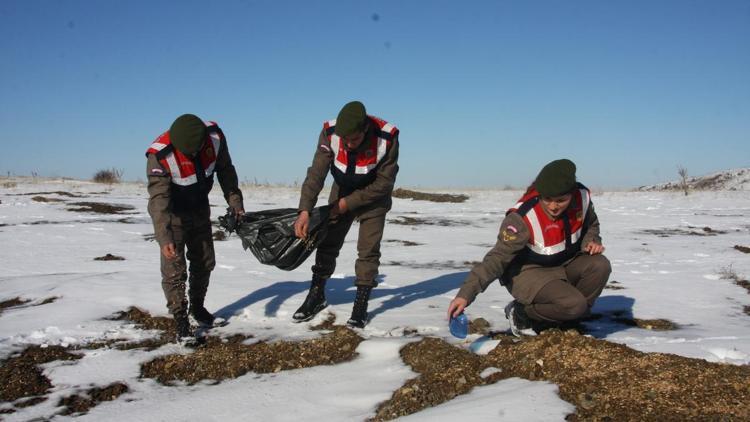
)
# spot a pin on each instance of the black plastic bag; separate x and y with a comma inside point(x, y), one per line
point(270, 235)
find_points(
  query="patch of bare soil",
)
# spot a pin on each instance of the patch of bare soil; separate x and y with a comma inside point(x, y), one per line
point(109, 257)
point(20, 302)
point(479, 326)
point(648, 324)
point(48, 300)
point(219, 360)
point(126, 220)
point(145, 321)
point(46, 199)
point(691, 231)
point(327, 324)
point(16, 301)
point(418, 221)
point(59, 192)
point(21, 375)
point(445, 265)
point(445, 372)
point(33, 401)
point(434, 197)
point(220, 235)
point(403, 242)
point(625, 318)
point(743, 249)
point(81, 403)
point(743, 283)
point(605, 381)
point(99, 207)
point(608, 381)
point(730, 274)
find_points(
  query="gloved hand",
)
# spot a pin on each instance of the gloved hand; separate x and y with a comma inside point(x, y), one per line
point(231, 220)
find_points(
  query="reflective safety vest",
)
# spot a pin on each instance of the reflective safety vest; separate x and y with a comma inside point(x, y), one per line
point(553, 242)
point(355, 170)
point(180, 167)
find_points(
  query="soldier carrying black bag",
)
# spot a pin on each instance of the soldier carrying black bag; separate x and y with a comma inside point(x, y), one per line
point(361, 153)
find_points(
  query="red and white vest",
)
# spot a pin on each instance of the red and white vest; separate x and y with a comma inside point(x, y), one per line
point(179, 166)
point(553, 242)
point(355, 170)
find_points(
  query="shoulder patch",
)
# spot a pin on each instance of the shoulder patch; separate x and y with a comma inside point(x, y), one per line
point(157, 172)
point(325, 148)
point(508, 235)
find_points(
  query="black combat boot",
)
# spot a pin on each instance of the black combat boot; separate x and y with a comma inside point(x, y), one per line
point(185, 334)
point(520, 323)
point(201, 315)
point(314, 302)
point(359, 311)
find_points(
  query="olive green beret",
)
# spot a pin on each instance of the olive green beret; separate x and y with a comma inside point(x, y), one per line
point(351, 119)
point(187, 134)
point(556, 178)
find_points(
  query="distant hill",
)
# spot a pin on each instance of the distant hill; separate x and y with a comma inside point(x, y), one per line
point(736, 179)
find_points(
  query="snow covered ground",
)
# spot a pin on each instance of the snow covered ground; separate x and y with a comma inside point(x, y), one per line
point(669, 253)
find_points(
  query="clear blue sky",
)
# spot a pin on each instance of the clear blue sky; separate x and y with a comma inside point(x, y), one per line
point(484, 92)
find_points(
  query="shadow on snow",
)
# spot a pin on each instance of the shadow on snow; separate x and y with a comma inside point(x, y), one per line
point(340, 291)
point(608, 311)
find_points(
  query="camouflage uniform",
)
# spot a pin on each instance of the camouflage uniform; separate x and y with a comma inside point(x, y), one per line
point(181, 215)
point(368, 205)
point(554, 293)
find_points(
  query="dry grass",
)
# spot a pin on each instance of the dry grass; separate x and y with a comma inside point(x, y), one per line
point(46, 199)
point(81, 403)
point(433, 197)
point(21, 374)
point(230, 358)
point(109, 257)
point(108, 176)
point(99, 207)
point(10, 303)
point(427, 221)
point(605, 381)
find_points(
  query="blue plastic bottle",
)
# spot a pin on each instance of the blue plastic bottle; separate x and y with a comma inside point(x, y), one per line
point(459, 326)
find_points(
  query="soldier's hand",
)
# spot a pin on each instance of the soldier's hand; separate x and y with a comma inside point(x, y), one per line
point(343, 208)
point(593, 248)
point(239, 212)
point(169, 251)
point(457, 306)
point(338, 208)
point(302, 224)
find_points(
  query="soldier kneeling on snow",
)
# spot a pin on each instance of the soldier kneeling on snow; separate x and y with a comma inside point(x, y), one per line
point(180, 167)
point(548, 255)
